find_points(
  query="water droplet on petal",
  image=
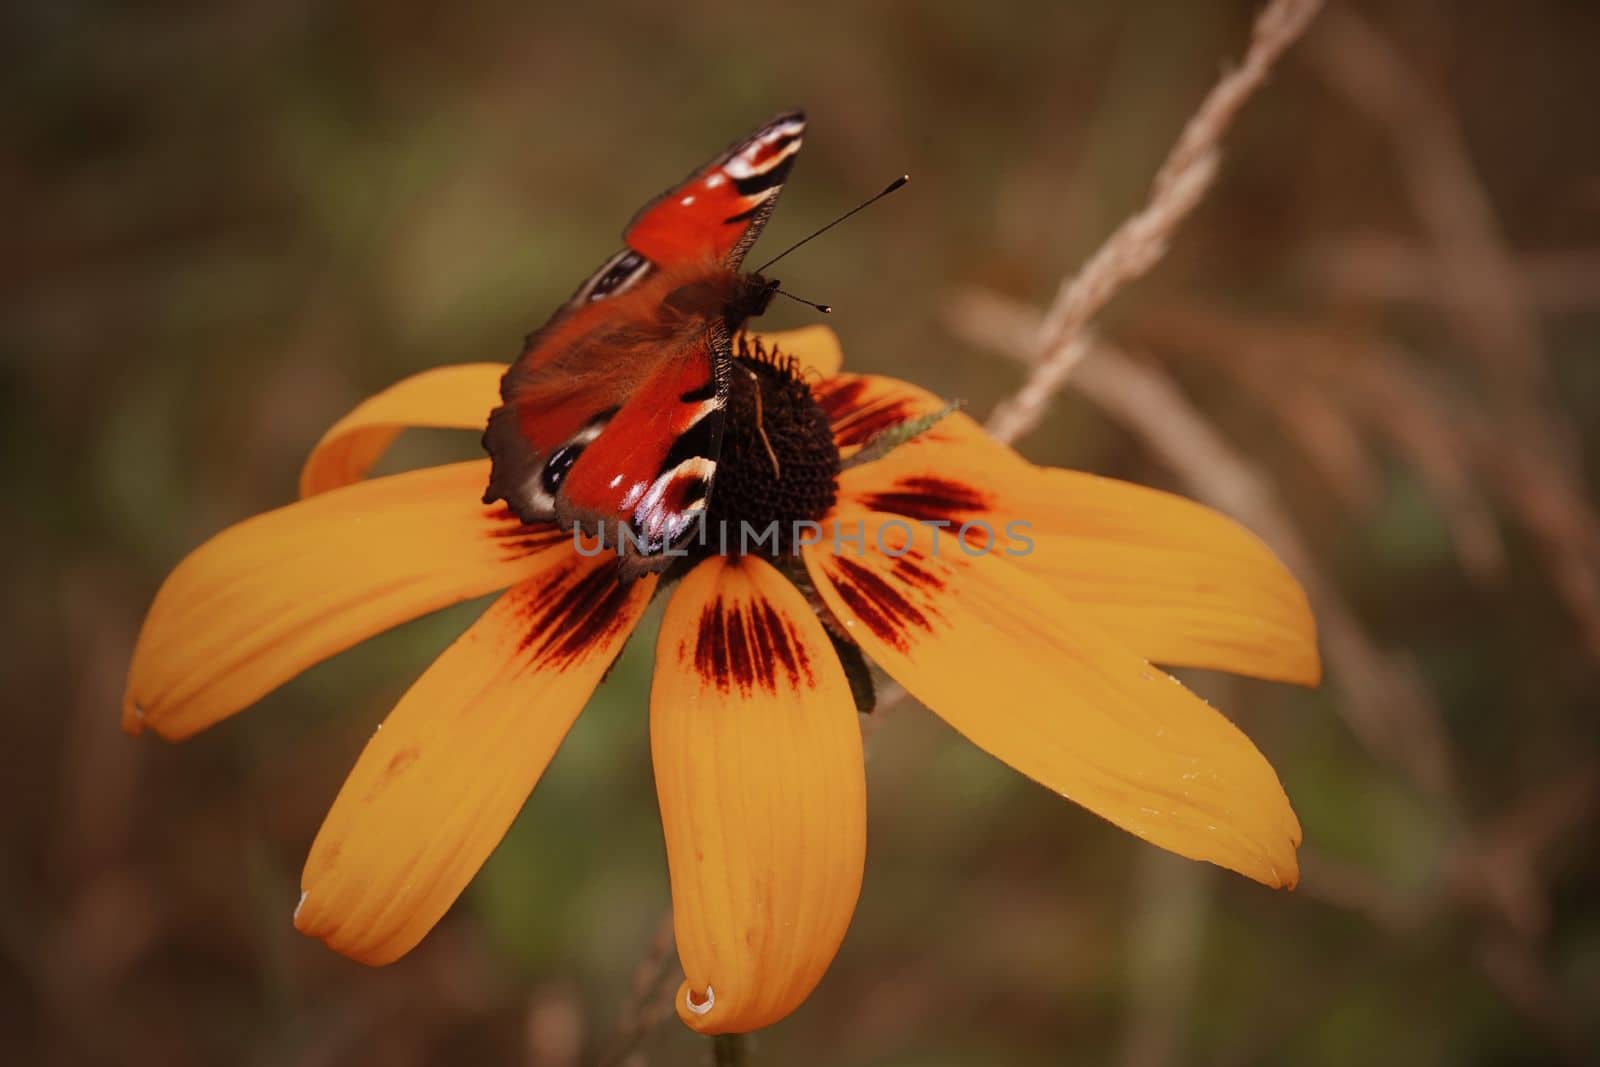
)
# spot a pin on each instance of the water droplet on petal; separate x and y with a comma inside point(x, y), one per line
point(700, 1007)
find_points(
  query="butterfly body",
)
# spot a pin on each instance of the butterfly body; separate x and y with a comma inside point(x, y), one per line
point(611, 419)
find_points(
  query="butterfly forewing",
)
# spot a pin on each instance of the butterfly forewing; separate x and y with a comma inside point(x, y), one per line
point(612, 416)
point(718, 211)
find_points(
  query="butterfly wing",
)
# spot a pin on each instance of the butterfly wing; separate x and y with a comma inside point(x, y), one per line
point(715, 214)
point(719, 210)
point(653, 461)
point(612, 416)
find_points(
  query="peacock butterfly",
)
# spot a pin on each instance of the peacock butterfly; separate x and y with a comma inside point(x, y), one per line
point(611, 419)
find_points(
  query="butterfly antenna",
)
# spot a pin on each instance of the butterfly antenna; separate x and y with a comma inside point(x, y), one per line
point(826, 309)
point(897, 183)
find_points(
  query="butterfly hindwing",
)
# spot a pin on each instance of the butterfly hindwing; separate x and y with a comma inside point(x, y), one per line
point(612, 416)
point(654, 461)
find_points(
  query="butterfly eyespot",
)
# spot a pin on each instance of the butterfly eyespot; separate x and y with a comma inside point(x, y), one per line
point(617, 275)
point(557, 466)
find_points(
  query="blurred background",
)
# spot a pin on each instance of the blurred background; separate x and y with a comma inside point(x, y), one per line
point(1377, 341)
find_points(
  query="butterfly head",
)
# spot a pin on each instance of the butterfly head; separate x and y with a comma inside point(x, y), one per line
point(735, 298)
point(751, 297)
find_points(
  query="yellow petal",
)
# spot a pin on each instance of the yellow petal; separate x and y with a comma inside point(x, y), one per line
point(1173, 580)
point(1018, 672)
point(815, 347)
point(265, 599)
point(758, 763)
point(1184, 584)
point(455, 397)
point(439, 783)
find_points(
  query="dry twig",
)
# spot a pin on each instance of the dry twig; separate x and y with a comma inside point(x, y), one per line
point(1139, 243)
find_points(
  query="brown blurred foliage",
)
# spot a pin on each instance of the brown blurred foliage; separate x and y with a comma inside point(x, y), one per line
point(1376, 340)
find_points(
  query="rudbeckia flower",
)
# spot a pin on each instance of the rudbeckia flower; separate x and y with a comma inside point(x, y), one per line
point(1035, 641)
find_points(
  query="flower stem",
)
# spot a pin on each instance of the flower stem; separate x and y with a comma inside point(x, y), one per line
point(728, 1050)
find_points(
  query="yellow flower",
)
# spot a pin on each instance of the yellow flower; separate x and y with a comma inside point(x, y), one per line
point(1042, 658)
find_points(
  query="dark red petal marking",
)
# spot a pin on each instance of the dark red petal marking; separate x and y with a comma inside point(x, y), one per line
point(931, 499)
point(741, 664)
point(711, 646)
point(839, 396)
point(910, 569)
point(771, 649)
point(882, 607)
point(398, 764)
point(517, 538)
point(786, 644)
point(573, 613)
point(855, 422)
point(744, 645)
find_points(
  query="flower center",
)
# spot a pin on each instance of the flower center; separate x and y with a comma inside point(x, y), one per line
point(778, 463)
